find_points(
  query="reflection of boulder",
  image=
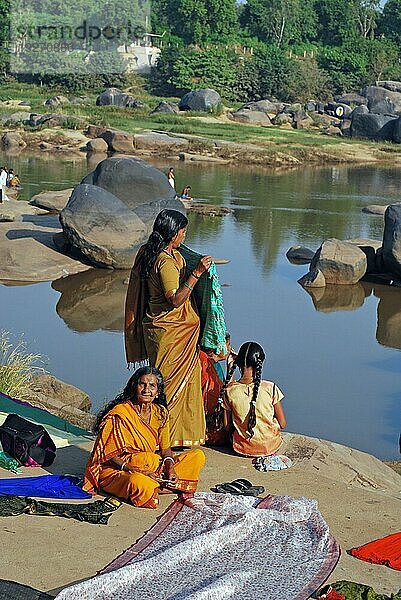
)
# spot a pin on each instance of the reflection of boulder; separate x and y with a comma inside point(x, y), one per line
point(113, 209)
point(388, 332)
point(335, 298)
point(92, 300)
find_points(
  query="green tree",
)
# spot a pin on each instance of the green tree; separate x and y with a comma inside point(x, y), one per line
point(367, 16)
point(337, 21)
point(280, 21)
point(390, 22)
point(197, 21)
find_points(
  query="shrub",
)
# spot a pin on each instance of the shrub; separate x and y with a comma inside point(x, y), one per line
point(16, 366)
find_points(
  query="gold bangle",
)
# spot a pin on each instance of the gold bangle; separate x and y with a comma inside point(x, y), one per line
point(196, 276)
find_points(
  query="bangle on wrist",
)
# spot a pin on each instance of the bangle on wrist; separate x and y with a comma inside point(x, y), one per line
point(168, 458)
point(123, 465)
point(188, 286)
point(196, 276)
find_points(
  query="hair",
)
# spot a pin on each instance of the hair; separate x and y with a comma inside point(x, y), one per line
point(165, 228)
point(251, 354)
point(130, 391)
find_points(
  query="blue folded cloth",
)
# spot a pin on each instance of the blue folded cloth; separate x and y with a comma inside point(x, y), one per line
point(44, 486)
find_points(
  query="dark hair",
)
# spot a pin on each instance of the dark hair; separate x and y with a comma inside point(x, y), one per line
point(251, 354)
point(165, 228)
point(129, 392)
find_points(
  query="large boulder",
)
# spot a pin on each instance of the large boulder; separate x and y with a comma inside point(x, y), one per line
point(115, 97)
point(397, 131)
point(118, 141)
point(376, 94)
point(372, 126)
point(352, 99)
point(102, 227)
point(251, 117)
point(392, 239)
point(97, 145)
point(166, 107)
point(267, 106)
point(12, 141)
point(340, 262)
point(113, 209)
point(204, 100)
point(393, 86)
point(53, 201)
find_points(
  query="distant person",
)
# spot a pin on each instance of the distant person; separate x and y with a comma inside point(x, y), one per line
point(15, 182)
point(3, 184)
point(252, 406)
point(186, 193)
point(10, 177)
point(171, 177)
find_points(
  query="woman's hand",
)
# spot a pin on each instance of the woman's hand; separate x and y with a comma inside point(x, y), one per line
point(169, 472)
point(202, 266)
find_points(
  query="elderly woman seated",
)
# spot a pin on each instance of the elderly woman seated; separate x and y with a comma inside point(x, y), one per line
point(132, 458)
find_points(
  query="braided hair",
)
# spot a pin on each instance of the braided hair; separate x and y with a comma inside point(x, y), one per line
point(129, 393)
point(165, 228)
point(251, 354)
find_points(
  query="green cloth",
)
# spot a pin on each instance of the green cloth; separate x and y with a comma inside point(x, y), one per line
point(39, 415)
point(209, 302)
point(359, 591)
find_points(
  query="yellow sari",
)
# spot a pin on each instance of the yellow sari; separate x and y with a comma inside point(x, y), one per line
point(125, 435)
point(169, 337)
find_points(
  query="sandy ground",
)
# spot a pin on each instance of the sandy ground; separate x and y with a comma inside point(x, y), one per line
point(359, 504)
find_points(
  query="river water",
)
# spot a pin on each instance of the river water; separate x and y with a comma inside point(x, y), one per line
point(336, 356)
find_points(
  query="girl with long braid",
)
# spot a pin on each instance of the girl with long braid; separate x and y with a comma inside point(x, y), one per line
point(251, 406)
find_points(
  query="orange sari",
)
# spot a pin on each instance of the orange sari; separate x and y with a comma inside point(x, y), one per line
point(125, 435)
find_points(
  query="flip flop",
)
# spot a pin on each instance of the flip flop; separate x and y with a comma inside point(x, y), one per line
point(238, 489)
point(247, 485)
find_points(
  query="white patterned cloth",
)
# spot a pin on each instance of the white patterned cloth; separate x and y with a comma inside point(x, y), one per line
point(218, 547)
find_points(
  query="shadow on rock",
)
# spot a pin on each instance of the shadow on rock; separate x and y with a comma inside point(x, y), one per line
point(92, 300)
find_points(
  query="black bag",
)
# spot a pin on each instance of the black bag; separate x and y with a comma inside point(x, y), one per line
point(29, 443)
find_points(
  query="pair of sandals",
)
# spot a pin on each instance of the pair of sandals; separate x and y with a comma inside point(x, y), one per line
point(239, 487)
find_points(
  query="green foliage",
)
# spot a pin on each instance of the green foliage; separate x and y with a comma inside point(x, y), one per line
point(280, 22)
point(16, 366)
point(337, 22)
point(390, 21)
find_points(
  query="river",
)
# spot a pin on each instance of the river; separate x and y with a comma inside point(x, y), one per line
point(336, 356)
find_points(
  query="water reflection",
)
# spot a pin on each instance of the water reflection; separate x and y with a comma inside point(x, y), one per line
point(388, 332)
point(92, 300)
point(338, 297)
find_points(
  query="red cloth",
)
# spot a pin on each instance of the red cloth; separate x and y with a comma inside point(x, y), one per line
point(211, 386)
point(331, 594)
point(385, 551)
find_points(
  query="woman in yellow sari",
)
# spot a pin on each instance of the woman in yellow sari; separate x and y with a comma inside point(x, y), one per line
point(130, 429)
point(162, 325)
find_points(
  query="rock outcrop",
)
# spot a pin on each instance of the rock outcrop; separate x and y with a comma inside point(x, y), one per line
point(113, 209)
point(392, 239)
point(340, 262)
point(115, 97)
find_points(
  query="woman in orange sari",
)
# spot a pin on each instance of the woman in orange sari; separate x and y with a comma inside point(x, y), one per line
point(162, 324)
point(124, 461)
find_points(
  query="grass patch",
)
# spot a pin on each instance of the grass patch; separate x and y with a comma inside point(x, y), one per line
point(16, 366)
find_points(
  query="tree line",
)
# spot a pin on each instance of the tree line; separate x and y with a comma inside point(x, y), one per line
point(290, 49)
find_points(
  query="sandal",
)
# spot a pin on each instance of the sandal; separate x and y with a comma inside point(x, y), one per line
point(247, 485)
point(238, 489)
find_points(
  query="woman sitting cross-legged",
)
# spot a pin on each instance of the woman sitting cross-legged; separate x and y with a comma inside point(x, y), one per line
point(132, 458)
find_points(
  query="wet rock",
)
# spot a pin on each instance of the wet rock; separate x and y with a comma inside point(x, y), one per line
point(12, 140)
point(158, 141)
point(203, 100)
point(166, 107)
point(115, 97)
point(372, 127)
point(300, 255)
point(97, 145)
point(251, 117)
point(53, 201)
point(118, 141)
point(392, 239)
point(313, 279)
point(369, 248)
point(340, 262)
